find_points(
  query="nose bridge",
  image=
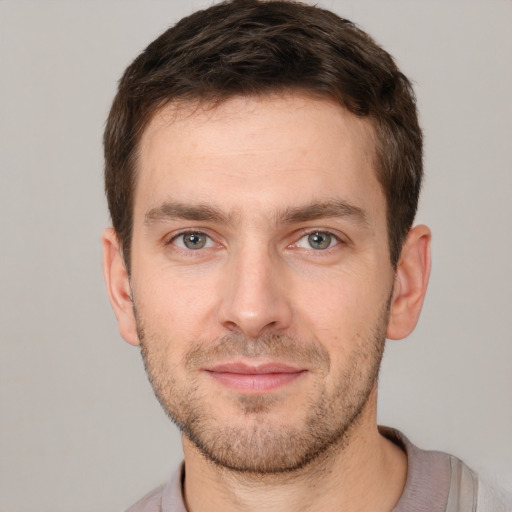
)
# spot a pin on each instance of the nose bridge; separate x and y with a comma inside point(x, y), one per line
point(254, 301)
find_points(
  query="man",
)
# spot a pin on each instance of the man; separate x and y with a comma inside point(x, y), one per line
point(263, 168)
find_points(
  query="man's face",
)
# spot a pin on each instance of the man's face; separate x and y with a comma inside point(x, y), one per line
point(261, 276)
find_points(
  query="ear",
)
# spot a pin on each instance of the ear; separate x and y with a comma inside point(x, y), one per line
point(117, 281)
point(411, 280)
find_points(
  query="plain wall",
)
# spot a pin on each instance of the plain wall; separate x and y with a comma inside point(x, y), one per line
point(80, 429)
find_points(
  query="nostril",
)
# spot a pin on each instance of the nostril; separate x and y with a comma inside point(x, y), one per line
point(253, 304)
point(232, 326)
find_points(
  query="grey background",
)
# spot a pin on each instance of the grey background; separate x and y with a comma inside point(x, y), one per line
point(79, 427)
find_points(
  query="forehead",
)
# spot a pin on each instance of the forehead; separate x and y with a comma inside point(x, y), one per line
point(272, 148)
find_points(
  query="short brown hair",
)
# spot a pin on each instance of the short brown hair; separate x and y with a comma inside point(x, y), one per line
point(251, 47)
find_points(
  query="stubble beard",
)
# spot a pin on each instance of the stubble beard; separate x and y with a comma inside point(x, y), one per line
point(260, 446)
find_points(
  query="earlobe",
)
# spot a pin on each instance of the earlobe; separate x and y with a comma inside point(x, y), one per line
point(412, 274)
point(117, 282)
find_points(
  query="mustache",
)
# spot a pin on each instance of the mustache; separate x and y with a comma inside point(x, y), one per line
point(272, 346)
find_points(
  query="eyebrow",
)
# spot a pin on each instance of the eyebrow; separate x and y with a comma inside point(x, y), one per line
point(334, 208)
point(173, 210)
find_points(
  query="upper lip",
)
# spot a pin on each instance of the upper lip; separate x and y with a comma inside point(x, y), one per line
point(253, 369)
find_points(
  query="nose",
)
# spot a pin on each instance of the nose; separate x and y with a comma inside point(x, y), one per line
point(254, 299)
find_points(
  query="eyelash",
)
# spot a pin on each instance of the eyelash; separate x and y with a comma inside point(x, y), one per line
point(209, 243)
point(334, 240)
point(182, 234)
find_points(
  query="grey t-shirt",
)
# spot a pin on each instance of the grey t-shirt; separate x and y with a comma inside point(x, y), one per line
point(436, 482)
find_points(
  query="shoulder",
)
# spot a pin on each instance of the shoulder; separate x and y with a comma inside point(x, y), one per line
point(473, 492)
point(151, 502)
point(165, 498)
point(492, 497)
point(440, 482)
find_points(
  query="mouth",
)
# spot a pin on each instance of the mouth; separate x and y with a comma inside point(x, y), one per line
point(254, 378)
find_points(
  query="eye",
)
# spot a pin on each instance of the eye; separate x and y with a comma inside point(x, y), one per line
point(318, 240)
point(193, 241)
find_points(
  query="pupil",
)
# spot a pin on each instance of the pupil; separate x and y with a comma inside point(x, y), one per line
point(319, 240)
point(194, 241)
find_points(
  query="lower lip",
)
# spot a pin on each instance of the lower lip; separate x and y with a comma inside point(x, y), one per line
point(255, 383)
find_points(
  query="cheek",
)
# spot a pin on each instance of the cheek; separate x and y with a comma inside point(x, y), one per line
point(175, 304)
point(335, 294)
point(339, 310)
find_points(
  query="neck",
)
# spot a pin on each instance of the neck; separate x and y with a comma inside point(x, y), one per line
point(364, 471)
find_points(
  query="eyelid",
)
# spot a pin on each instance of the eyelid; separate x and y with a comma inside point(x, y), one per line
point(169, 240)
point(303, 233)
point(340, 239)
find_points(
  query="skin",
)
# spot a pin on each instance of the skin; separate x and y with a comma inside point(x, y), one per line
point(253, 179)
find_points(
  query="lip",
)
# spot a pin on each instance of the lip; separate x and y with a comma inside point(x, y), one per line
point(254, 378)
